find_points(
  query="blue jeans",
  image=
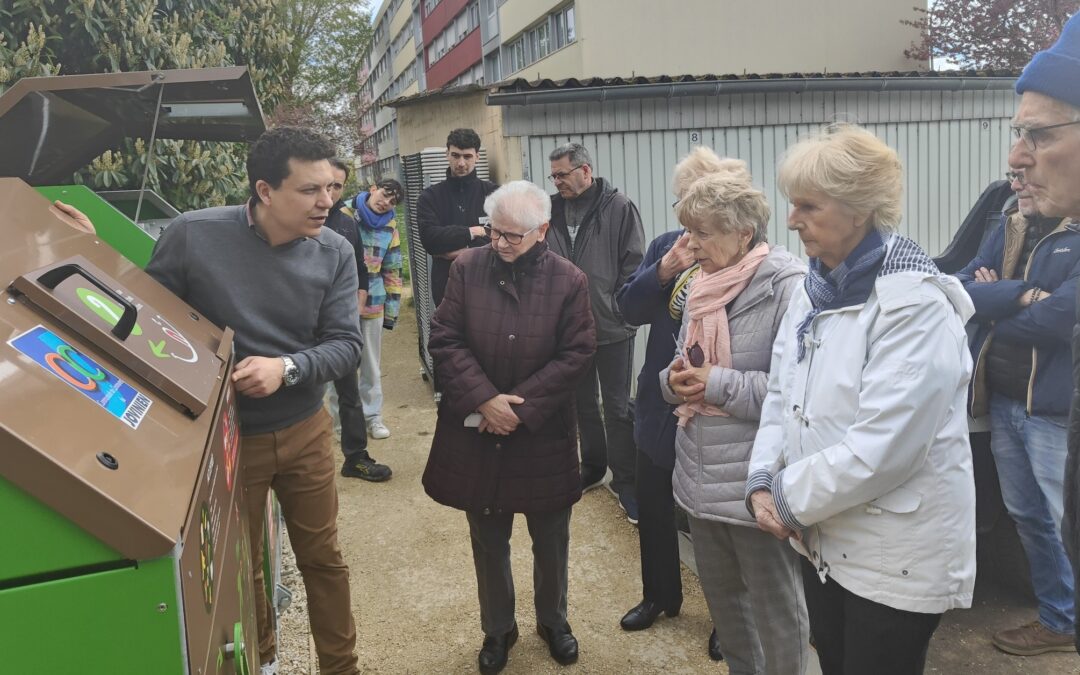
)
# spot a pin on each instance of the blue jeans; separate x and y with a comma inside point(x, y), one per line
point(1030, 456)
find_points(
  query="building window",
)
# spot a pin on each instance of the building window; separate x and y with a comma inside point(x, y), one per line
point(430, 5)
point(554, 32)
point(474, 75)
point(456, 31)
point(492, 71)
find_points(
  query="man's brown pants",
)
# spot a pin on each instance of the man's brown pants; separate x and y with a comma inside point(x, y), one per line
point(296, 462)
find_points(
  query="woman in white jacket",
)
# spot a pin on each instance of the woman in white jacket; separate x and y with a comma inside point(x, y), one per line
point(862, 458)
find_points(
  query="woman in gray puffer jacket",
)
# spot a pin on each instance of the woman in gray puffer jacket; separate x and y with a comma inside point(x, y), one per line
point(752, 581)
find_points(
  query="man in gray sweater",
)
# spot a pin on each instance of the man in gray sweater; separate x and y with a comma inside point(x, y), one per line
point(287, 287)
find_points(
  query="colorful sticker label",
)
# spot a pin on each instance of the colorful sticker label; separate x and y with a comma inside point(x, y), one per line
point(83, 374)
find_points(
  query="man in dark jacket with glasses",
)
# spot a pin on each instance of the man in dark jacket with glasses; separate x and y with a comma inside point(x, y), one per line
point(599, 229)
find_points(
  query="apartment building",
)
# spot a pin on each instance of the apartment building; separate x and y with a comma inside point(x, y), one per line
point(458, 42)
point(392, 68)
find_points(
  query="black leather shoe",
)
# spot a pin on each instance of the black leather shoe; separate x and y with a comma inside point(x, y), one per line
point(643, 615)
point(496, 651)
point(714, 647)
point(561, 643)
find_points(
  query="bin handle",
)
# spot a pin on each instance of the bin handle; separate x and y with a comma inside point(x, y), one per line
point(125, 325)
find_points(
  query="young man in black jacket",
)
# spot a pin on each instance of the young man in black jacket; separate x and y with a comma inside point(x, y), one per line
point(449, 213)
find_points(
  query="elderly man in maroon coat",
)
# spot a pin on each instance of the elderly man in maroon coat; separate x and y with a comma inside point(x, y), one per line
point(511, 339)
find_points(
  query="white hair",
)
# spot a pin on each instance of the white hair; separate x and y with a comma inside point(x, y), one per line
point(521, 203)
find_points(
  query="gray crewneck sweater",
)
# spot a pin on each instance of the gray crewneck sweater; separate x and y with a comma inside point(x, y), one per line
point(296, 299)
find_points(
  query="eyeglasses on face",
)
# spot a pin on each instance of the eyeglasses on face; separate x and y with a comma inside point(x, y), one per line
point(1032, 135)
point(556, 177)
point(511, 238)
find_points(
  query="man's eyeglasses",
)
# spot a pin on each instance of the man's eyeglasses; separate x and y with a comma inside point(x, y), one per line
point(511, 238)
point(555, 177)
point(1032, 135)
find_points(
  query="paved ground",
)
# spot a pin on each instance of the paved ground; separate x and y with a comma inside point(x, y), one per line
point(414, 589)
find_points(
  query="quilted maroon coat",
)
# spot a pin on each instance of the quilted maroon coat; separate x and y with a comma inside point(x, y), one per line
point(524, 328)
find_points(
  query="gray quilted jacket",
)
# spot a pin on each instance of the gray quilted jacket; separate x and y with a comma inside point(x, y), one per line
point(712, 453)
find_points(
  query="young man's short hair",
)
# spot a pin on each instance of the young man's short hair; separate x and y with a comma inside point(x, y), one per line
point(392, 188)
point(269, 157)
point(463, 139)
point(340, 165)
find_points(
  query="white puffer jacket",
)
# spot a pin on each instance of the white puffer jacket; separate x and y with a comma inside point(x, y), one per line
point(864, 443)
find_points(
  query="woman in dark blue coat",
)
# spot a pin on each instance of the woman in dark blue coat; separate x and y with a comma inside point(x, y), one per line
point(654, 294)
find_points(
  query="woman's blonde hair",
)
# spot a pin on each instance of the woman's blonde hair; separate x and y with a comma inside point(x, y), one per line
point(848, 164)
point(703, 161)
point(727, 200)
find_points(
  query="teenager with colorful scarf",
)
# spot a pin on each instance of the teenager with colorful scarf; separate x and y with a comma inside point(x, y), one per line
point(380, 244)
point(862, 460)
point(718, 379)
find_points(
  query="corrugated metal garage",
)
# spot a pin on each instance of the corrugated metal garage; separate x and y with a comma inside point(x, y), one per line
point(951, 131)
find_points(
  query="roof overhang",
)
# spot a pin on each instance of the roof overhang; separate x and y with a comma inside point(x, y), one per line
point(521, 92)
point(50, 127)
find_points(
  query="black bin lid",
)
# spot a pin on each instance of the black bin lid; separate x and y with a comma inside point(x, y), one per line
point(50, 127)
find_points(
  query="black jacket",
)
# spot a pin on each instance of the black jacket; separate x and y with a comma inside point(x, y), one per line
point(444, 213)
point(341, 221)
point(1070, 524)
point(609, 246)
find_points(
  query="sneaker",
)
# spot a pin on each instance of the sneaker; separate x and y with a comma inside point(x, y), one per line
point(629, 505)
point(361, 465)
point(269, 668)
point(378, 430)
point(1031, 639)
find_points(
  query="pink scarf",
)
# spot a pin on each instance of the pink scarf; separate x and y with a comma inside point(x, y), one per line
point(708, 327)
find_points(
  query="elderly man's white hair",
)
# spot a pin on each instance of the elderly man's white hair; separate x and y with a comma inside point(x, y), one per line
point(521, 203)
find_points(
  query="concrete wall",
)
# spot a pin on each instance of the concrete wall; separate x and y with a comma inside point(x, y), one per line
point(639, 37)
point(425, 124)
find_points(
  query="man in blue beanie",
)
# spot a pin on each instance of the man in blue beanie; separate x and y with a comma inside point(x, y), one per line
point(1046, 159)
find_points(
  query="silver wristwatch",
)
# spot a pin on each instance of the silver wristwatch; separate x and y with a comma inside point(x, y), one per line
point(292, 373)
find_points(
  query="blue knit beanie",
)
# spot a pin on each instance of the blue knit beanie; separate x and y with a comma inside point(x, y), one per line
point(1055, 72)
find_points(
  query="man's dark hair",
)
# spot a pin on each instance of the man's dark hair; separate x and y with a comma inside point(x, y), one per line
point(464, 139)
point(340, 165)
point(392, 187)
point(269, 157)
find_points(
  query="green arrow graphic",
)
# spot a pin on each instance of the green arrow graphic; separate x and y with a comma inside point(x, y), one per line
point(158, 348)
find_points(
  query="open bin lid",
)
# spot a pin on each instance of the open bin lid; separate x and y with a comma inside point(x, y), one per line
point(50, 127)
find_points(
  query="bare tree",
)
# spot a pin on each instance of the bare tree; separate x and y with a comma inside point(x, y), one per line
point(988, 34)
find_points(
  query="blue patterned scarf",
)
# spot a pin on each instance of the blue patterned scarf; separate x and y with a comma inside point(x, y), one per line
point(849, 284)
point(368, 217)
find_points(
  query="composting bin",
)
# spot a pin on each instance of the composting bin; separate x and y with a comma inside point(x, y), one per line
point(123, 542)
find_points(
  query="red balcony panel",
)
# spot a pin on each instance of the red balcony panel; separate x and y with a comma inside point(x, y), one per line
point(440, 18)
point(463, 56)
